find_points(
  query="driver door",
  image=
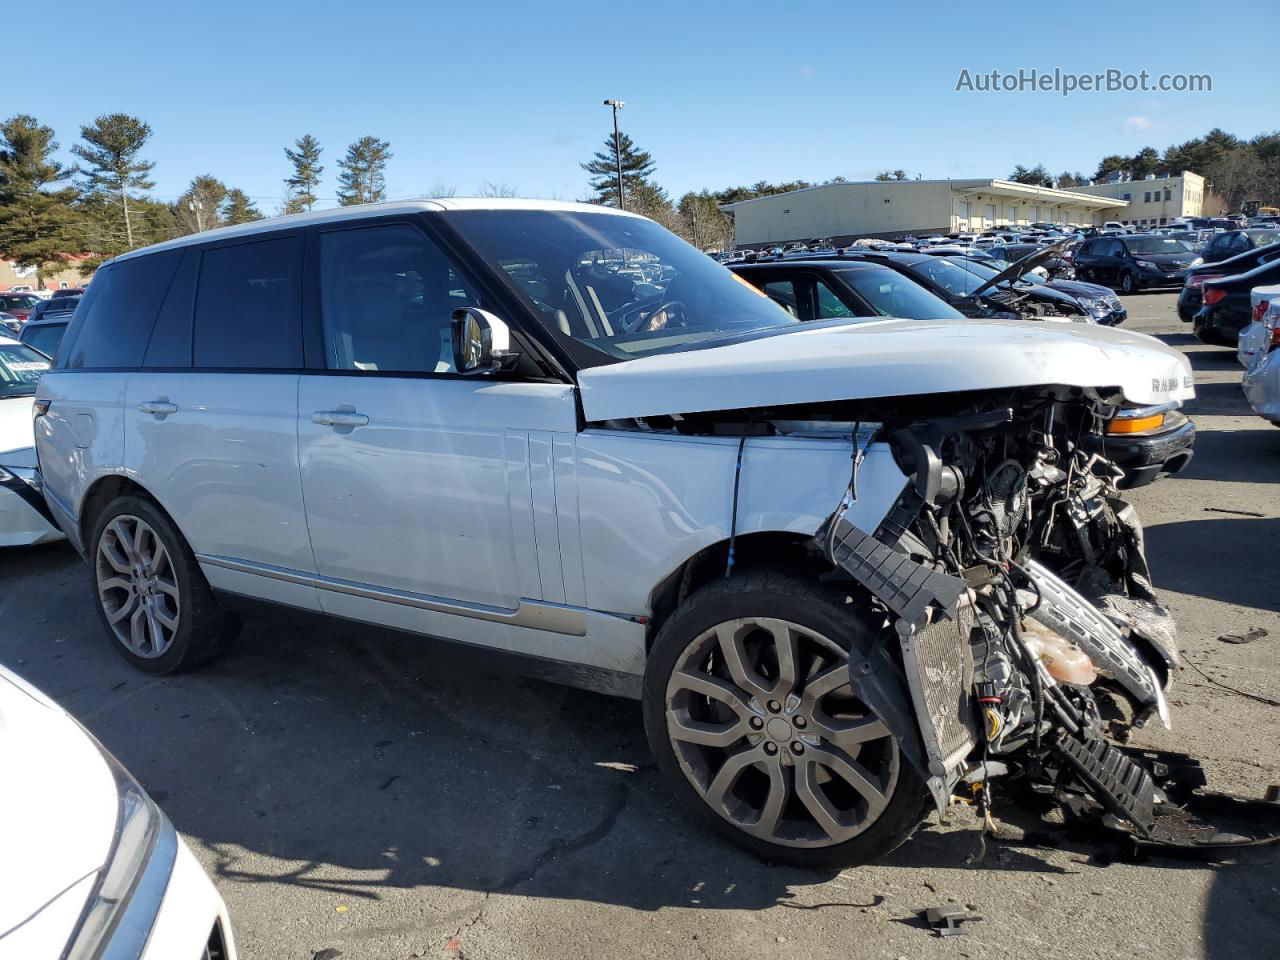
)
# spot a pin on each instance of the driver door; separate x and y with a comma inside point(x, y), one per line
point(422, 486)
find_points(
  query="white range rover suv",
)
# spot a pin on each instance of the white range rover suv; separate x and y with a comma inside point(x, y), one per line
point(556, 430)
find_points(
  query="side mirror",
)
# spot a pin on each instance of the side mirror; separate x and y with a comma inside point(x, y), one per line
point(481, 342)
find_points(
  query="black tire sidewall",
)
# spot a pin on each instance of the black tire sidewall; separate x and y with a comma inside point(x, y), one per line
point(193, 638)
point(785, 597)
point(1127, 285)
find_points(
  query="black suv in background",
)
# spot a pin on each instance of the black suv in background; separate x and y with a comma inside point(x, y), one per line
point(1134, 262)
point(1191, 298)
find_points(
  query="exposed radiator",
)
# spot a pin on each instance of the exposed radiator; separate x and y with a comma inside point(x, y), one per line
point(939, 666)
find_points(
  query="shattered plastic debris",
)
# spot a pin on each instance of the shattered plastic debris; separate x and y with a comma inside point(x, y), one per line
point(947, 921)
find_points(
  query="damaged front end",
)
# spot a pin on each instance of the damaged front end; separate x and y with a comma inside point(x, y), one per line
point(1021, 631)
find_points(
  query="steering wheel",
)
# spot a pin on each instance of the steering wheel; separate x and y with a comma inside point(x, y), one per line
point(673, 310)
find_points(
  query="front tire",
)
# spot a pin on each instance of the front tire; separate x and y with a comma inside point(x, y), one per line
point(154, 602)
point(750, 715)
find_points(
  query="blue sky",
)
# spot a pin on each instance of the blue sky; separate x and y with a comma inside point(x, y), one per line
point(720, 93)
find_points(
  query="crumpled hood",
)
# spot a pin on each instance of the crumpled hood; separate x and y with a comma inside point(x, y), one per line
point(889, 358)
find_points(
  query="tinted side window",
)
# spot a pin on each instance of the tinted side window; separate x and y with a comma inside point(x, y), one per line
point(44, 337)
point(170, 344)
point(115, 323)
point(387, 296)
point(248, 306)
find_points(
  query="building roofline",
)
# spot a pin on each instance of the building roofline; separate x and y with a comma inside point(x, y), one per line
point(974, 184)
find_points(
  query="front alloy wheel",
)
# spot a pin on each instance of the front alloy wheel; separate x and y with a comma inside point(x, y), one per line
point(137, 587)
point(765, 726)
point(751, 716)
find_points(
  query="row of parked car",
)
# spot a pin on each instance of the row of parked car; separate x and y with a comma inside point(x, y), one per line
point(38, 321)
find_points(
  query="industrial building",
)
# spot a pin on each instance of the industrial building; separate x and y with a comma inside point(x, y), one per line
point(892, 208)
point(1154, 202)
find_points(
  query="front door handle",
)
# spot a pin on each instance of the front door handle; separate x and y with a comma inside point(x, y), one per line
point(158, 408)
point(339, 418)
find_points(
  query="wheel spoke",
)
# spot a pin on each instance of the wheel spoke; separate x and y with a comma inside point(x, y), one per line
point(114, 583)
point(819, 807)
point(123, 539)
point(851, 733)
point(154, 631)
point(138, 629)
point(828, 681)
point(681, 727)
point(168, 620)
point(787, 644)
point(167, 587)
point(713, 687)
point(125, 609)
point(732, 768)
point(735, 658)
point(776, 801)
point(117, 560)
point(854, 774)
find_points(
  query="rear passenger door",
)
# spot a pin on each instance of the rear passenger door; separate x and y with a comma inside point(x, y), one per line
point(211, 415)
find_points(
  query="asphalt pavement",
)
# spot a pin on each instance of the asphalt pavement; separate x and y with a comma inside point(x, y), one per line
point(383, 797)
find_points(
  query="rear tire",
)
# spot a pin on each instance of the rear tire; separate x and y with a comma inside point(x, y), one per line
point(1127, 284)
point(154, 602)
point(750, 716)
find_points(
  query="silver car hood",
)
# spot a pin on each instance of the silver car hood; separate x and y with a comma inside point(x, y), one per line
point(887, 358)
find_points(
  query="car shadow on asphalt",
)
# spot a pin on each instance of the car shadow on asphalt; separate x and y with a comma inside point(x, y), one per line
point(1235, 456)
point(1203, 558)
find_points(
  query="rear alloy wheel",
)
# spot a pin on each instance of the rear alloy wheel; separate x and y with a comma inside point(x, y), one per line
point(754, 719)
point(137, 587)
point(150, 593)
point(1126, 282)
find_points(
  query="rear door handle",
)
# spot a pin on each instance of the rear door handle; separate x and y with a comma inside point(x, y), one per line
point(158, 408)
point(339, 418)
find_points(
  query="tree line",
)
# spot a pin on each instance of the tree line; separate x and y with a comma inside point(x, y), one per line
point(100, 205)
point(1235, 169)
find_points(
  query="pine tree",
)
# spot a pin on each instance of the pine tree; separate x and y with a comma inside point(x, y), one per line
point(238, 208)
point(363, 172)
point(37, 225)
point(112, 144)
point(301, 187)
point(637, 166)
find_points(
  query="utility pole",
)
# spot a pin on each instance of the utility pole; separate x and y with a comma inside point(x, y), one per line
point(617, 148)
point(196, 206)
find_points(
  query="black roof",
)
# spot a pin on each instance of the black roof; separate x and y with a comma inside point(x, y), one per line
point(854, 262)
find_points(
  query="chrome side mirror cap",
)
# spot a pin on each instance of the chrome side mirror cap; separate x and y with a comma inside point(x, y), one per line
point(481, 342)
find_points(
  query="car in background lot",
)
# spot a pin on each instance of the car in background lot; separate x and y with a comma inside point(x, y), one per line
point(1101, 303)
point(19, 304)
point(67, 292)
point(1191, 297)
point(1261, 381)
point(46, 333)
point(836, 288)
point(92, 867)
point(1223, 246)
point(1135, 262)
point(10, 322)
point(1256, 334)
point(24, 516)
point(1228, 305)
point(52, 307)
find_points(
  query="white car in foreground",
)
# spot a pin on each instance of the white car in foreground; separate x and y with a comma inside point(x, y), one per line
point(89, 865)
point(24, 517)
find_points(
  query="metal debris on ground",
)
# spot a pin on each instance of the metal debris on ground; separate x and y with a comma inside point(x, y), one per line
point(948, 920)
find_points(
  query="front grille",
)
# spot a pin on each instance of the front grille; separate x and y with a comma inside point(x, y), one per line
point(939, 665)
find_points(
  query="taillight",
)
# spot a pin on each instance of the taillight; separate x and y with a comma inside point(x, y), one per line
point(39, 408)
point(1214, 295)
point(1259, 310)
point(1196, 281)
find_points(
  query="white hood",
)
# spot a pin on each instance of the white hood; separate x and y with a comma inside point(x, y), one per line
point(58, 807)
point(17, 435)
point(888, 358)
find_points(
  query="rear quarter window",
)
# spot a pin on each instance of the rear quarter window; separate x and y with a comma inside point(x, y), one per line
point(114, 322)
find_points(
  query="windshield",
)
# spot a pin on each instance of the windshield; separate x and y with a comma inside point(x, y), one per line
point(621, 285)
point(20, 370)
point(44, 337)
point(952, 277)
point(1146, 246)
point(891, 294)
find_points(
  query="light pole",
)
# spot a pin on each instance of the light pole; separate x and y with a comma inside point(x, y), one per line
point(196, 206)
point(617, 148)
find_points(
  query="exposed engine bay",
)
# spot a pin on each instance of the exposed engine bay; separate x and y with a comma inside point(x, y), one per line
point(1019, 634)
